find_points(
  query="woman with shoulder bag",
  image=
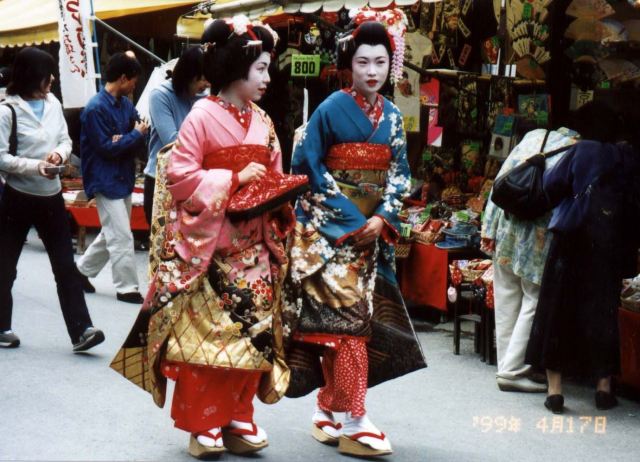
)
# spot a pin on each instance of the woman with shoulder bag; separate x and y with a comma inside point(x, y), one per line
point(519, 248)
point(594, 246)
point(32, 195)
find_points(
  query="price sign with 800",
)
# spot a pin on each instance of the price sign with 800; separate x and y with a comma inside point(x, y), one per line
point(305, 65)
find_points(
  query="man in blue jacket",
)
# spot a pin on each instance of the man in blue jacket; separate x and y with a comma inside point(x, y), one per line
point(111, 132)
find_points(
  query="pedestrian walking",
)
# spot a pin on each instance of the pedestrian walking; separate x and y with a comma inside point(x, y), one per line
point(211, 319)
point(343, 287)
point(519, 248)
point(110, 135)
point(33, 193)
point(169, 104)
point(595, 241)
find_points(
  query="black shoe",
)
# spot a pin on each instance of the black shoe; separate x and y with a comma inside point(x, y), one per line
point(605, 400)
point(9, 340)
point(87, 287)
point(89, 338)
point(555, 403)
point(130, 297)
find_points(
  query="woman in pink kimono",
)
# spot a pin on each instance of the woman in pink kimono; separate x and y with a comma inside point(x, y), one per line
point(211, 318)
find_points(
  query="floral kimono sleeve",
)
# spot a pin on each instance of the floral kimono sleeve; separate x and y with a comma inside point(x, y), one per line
point(398, 182)
point(200, 195)
point(325, 207)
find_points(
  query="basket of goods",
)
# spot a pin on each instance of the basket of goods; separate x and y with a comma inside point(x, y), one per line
point(430, 232)
point(470, 270)
point(403, 247)
point(454, 197)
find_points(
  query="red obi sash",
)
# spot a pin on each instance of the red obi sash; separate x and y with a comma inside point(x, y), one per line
point(236, 158)
point(358, 156)
point(257, 197)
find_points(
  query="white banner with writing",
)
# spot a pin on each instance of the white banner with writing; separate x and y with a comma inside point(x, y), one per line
point(77, 71)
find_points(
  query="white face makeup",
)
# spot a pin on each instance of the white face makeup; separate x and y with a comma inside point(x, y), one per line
point(370, 68)
point(254, 87)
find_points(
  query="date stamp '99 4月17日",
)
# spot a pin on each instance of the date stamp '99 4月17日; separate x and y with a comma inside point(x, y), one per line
point(553, 425)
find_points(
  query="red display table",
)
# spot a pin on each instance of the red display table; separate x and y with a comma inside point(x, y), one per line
point(423, 276)
point(87, 217)
point(629, 348)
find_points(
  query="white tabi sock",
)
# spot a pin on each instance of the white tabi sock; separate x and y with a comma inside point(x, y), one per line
point(210, 442)
point(319, 415)
point(259, 437)
point(354, 425)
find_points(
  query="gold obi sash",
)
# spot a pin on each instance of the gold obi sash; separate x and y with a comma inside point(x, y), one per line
point(360, 170)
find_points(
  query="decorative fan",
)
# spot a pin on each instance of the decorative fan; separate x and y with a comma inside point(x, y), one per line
point(618, 32)
point(587, 29)
point(590, 9)
point(619, 69)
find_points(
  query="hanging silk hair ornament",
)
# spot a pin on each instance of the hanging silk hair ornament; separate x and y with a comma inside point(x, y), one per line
point(240, 24)
point(395, 22)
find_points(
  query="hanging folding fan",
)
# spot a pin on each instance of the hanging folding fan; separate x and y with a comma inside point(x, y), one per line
point(587, 29)
point(590, 9)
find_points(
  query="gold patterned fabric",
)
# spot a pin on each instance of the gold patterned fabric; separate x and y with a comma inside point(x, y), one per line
point(186, 319)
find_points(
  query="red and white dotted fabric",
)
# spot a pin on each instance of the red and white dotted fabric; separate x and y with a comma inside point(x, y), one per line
point(243, 116)
point(345, 370)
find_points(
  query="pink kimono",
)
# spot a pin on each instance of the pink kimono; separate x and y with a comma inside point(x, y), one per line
point(212, 317)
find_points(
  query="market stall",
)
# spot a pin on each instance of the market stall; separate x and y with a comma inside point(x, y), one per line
point(84, 213)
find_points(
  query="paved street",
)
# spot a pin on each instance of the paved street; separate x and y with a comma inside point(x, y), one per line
point(59, 406)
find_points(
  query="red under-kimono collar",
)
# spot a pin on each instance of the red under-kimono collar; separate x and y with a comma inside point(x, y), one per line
point(242, 116)
point(372, 111)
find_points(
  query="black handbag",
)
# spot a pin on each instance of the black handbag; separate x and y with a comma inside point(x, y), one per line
point(13, 135)
point(519, 192)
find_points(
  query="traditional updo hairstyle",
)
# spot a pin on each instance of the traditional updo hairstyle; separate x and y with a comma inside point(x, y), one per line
point(229, 56)
point(368, 33)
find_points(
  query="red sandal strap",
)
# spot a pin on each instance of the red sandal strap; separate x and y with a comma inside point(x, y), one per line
point(208, 434)
point(357, 436)
point(327, 423)
point(243, 432)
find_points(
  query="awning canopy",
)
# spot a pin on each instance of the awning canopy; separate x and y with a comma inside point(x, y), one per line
point(31, 22)
point(192, 26)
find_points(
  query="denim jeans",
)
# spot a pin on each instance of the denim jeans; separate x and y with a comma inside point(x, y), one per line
point(18, 212)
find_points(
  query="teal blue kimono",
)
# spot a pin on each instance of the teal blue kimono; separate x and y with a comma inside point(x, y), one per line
point(357, 169)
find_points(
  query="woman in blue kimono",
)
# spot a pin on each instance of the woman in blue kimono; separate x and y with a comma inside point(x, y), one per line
point(344, 305)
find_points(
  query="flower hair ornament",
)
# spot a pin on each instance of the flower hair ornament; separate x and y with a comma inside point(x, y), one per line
point(240, 24)
point(395, 22)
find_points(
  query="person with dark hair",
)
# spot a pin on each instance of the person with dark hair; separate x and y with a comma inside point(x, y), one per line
point(123, 67)
point(33, 193)
point(5, 73)
point(519, 249)
point(169, 104)
point(211, 320)
point(110, 134)
point(342, 291)
point(596, 235)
